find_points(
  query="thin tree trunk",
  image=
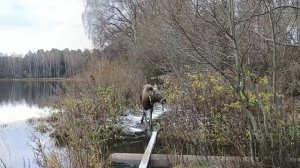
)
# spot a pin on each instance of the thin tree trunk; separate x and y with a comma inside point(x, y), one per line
point(274, 84)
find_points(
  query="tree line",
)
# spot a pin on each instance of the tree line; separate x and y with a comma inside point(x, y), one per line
point(45, 64)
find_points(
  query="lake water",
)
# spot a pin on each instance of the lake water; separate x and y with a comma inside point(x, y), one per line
point(20, 101)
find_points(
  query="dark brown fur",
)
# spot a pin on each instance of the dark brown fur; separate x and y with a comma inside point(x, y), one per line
point(149, 96)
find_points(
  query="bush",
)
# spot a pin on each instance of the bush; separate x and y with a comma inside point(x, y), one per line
point(207, 118)
point(89, 124)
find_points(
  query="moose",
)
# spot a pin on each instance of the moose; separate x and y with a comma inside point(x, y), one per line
point(150, 95)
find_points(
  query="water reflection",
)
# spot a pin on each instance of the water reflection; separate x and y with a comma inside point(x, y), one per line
point(19, 101)
point(28, 92)
point(16, 144)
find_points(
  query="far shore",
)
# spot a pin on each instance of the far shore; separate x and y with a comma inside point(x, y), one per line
point(35, 79)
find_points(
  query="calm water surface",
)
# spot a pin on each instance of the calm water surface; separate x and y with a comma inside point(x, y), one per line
point(20, 101)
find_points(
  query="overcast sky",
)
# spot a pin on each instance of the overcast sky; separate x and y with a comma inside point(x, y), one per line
point(41, 24)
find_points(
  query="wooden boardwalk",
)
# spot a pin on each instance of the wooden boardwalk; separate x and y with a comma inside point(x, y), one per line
point(163, 160)
point(146, 157)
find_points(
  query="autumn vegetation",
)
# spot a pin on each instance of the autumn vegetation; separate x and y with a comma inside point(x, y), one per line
point(229, 70)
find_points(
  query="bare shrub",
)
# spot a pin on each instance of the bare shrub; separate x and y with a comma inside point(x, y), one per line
point(206, 118)
point(125, 79)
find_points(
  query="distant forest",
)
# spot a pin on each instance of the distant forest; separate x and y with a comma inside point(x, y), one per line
point(45, 64)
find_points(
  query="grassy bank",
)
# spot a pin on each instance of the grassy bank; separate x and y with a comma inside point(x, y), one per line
point(86, 122)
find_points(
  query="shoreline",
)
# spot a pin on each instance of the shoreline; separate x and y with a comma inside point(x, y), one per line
point(34, 79)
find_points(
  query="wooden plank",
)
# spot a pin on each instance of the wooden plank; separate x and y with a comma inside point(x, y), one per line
point(146, 157)
point(133, 159)
point(163, 160)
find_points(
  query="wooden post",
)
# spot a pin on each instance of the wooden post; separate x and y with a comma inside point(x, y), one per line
point(146, 157)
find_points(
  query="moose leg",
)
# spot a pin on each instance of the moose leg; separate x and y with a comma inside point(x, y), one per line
point(144, 115)
point(142, 120)
point(150, 120)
